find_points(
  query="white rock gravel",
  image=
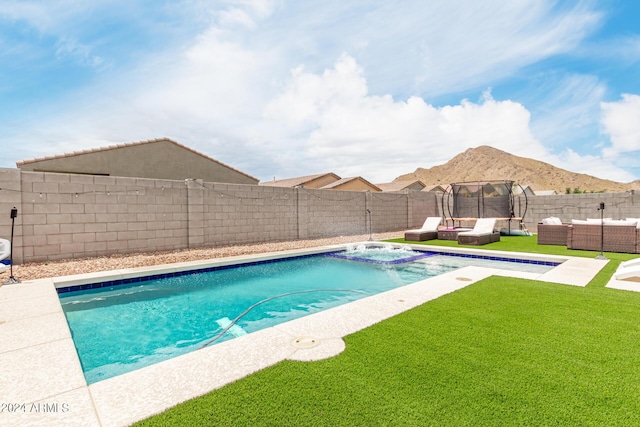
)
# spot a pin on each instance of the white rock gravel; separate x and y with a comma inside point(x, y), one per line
point(31, 271)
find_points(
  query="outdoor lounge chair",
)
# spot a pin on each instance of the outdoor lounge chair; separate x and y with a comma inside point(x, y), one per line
point(5, 251)
point(628, 270)
point(429, 230)
point(631, 274)
point(631, 263)
point(482, 233)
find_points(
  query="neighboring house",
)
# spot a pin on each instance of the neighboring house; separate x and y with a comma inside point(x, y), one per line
point(309, 181)
point(156, 158)
point(356, 183)
point(434, 189)
point(325, 181)
point(401, 185)
point(527, 190)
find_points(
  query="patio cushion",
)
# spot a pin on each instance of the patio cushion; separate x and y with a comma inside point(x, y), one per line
point(620, 222)
point(637, 220)
point(482, 226)
point(596, 220)
point(431, 223)
point(552, 220)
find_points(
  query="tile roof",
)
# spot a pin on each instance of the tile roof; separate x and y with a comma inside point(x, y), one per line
point(434, 187)
point(398, 185)
point(297, 181)
point(346, 180)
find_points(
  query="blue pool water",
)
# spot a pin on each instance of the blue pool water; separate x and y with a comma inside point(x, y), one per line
point(117, 329)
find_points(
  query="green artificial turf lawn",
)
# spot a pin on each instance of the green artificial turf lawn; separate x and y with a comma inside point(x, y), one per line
point(502, 351)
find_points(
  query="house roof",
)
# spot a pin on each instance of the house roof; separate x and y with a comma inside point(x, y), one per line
point(434, 188)
point(298, 181)
point(344, 181)
point(129, 144)
point(518, 189)
point(398, 185)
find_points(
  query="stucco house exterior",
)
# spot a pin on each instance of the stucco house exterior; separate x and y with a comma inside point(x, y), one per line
point(325, 181)
point(356, 183)
point(160, 158)
point(434, 189)
point(545, 192)
point(308, 181)
point(416, 185)
point(527, 190)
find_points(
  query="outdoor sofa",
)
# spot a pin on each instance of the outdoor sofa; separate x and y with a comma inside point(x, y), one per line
point(552, 231)
point(611, 236)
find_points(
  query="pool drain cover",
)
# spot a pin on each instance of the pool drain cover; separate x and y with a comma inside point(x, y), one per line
point(305, 342)
point(463, 279)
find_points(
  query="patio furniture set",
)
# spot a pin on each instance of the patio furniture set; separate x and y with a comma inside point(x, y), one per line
point(482, 233)
point(608, 235)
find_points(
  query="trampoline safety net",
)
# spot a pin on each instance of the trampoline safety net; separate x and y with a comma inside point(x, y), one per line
point(485, 199)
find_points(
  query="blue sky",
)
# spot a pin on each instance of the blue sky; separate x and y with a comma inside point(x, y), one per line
point(283, 88)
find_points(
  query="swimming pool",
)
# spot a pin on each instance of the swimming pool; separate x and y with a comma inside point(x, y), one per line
point(121, 325)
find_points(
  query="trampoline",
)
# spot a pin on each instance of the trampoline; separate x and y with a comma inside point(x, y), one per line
point(468, 201)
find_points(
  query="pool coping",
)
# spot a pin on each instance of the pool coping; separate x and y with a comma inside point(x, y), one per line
point(40, 362)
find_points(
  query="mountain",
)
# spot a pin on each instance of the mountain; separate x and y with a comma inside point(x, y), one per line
point(486, 163)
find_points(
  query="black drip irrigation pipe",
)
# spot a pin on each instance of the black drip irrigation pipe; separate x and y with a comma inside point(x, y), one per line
point(244, 313)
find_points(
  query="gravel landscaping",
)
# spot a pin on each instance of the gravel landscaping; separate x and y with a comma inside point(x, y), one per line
point(31, 271)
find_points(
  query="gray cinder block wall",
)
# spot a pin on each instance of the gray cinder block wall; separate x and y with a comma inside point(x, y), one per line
point(64, 216)
point(328, 213)
point(238, 214)
point(11, 196)
point(420, 205)
point(72, 216)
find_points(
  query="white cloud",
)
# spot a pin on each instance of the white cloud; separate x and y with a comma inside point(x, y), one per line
point(308, 94)
point(245, 13)
point(598, 166)
point(69, 47)
point(35, 14)
point(441, 47)
point(621, 121)
point(351, 132)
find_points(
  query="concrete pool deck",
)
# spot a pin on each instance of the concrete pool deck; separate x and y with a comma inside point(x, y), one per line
point(42, 380)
